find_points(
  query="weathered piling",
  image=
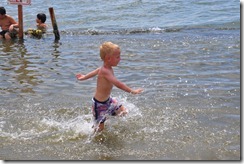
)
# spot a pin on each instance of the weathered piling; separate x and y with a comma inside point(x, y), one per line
point(54, 24)
point(20, 16)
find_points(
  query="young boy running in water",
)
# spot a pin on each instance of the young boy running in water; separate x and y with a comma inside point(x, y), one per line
point(103, 104)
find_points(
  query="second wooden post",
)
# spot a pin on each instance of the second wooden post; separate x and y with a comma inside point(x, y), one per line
point(54, 23)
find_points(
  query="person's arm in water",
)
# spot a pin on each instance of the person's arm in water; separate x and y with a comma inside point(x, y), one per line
point(88, 75)
point(13, 25)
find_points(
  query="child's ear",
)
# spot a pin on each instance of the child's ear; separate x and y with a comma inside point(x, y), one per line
point(107, 57)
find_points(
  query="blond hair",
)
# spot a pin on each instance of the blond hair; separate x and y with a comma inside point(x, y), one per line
point(107, 48)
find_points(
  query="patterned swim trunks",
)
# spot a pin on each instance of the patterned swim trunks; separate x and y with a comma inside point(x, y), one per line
point(12, 34)
point(101, 109)
point(3, 33)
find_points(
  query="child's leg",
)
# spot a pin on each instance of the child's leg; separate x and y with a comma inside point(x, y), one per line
point(121, 111)
point(7, 36)
point(99, 128)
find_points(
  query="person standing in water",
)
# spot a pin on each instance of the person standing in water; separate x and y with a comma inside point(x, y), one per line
point(8, 25)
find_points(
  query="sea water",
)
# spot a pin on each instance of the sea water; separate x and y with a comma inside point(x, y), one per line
point(184, 54)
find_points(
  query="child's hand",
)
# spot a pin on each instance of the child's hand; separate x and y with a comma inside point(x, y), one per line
point(80, 76)
point(137, 91)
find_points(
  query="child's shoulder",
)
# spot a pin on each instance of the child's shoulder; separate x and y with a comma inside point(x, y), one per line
point(8, 16)
point(44, 25)
point(104, 68)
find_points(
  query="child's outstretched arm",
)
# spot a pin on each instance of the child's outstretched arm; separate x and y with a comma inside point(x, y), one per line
point(110, 77)
point(87, 76)
point(124, 87)
point(137, 91)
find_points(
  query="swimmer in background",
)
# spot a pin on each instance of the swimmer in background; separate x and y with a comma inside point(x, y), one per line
point(103, 103)
point(41, 26)
point(8, 25)
point(40, 22)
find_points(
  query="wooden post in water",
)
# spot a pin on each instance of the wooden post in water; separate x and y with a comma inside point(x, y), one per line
point(54, 23)
point(20, 16)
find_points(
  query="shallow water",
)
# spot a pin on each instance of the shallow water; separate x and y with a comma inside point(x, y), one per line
point(189, 70)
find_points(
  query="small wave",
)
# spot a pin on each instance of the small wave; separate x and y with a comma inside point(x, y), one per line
point(154, 30)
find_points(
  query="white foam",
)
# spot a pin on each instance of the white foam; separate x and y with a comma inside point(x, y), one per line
point(156, 29)
point(80, 125)
point(131, 108)
point(60, 128)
